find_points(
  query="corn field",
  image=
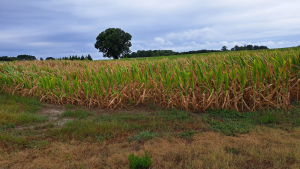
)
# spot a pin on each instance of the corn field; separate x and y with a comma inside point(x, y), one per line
point(243, 81)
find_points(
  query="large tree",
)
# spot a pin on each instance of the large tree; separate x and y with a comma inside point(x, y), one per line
point(224, 48)
point(113, 42)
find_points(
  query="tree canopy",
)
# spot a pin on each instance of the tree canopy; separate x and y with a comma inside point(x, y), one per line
point(19, 57)
point(224, 48)
point(26, 57)
point(75, 57)
point(50, 58)
point(113, 42)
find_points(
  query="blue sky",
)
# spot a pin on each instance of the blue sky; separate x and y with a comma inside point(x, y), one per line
point(70, 27)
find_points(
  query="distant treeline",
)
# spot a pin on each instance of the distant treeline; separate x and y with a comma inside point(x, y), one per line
point(73, 57)
point(245, 47)
point(150, 53)
point(19, 57)
point(29, 57)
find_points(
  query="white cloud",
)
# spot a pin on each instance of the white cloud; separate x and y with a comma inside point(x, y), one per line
point(283, 42)
point(161, 41)
point(205, 33)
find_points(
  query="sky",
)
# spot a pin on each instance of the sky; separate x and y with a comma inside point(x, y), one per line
point(59, 28)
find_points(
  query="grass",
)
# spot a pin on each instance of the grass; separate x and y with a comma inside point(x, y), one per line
point(117, 125)
point(143, 136)
point(15, 110)
point(79, 114)
point(173, 138)
point(136, 162)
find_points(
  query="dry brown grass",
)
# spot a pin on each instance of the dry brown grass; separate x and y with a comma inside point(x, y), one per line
point(262, 148)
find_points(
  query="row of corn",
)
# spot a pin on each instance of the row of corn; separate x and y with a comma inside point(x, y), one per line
point(243, 81)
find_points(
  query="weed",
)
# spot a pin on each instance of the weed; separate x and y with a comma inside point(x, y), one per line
point(136, 162)
point(131, 102)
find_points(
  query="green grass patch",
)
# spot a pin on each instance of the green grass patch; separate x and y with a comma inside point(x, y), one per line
point(136, 162)
point(15, 103)
point(79, 114)
point(230, 122)
point(6, 125)
point(12, 142)
point(231, 127)
point(16, 110)
point(174, 114)
point(113, 125)
point(143, 136)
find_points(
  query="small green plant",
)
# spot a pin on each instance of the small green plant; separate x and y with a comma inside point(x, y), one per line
point(131, 102)
point(136, 162)
point(187, 134)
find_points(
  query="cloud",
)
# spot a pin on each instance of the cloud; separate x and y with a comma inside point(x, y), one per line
point(161, 41)
point(204, 33)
